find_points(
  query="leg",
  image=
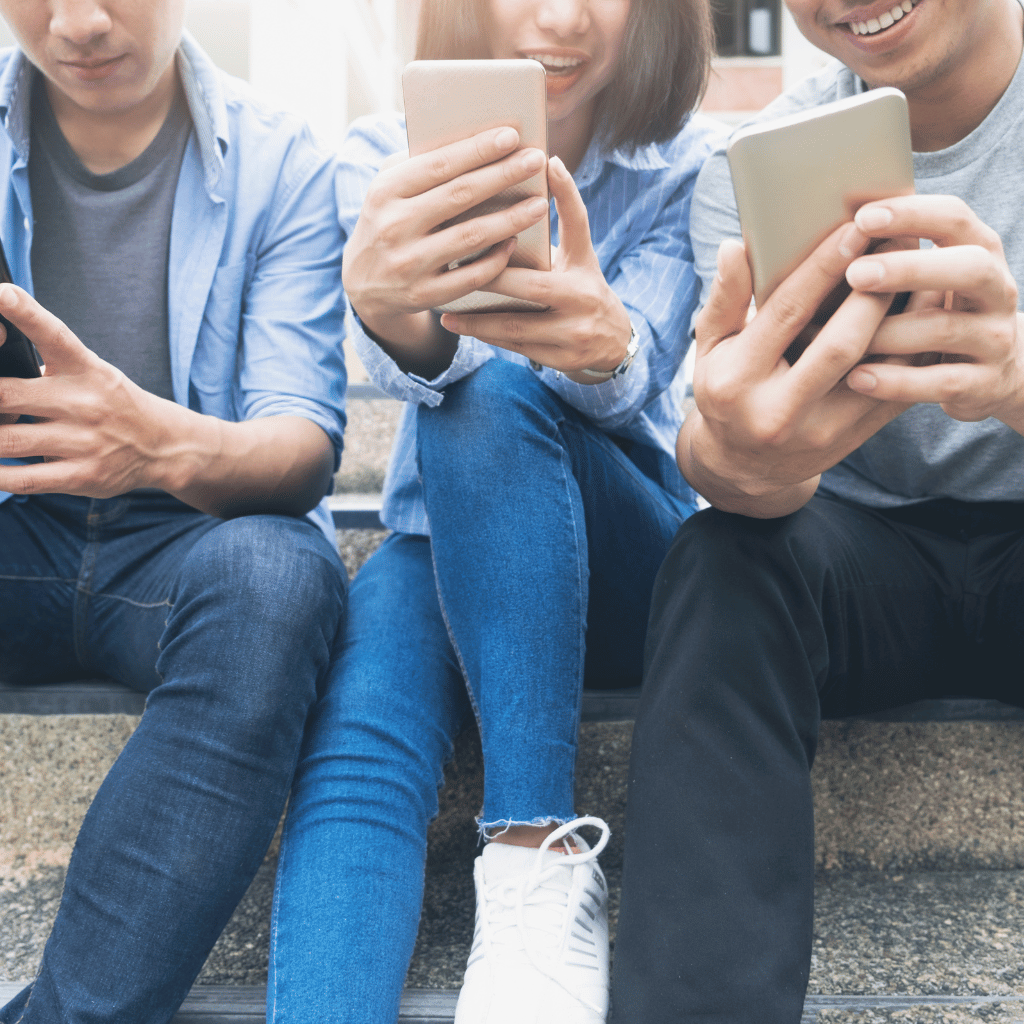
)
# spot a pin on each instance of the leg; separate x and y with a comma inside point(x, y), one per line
point(350, 877)
point(180, 825)
point(753, 623)
point(544, 569)
point(536, 517)
point(41, 546)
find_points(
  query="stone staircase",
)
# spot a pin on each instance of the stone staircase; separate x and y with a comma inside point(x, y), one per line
point(920, 837)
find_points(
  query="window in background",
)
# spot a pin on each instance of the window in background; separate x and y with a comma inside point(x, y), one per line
point(747, 28)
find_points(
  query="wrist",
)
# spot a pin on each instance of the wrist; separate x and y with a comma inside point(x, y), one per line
point(592, 375)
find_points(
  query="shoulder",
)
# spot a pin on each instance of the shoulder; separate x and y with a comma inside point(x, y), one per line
point(263, 136)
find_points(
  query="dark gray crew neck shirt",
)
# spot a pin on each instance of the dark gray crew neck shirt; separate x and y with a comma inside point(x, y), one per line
point(924, 453)
point(100, 243)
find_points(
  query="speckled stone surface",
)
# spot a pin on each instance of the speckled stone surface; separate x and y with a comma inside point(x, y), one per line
point(921, 796)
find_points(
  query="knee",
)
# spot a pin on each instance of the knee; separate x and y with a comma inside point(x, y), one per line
point(264, 596)
point(499, 400)
point(275, 565)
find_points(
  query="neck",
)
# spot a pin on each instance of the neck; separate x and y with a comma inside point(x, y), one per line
point(107, 140)
point(948, 109)
point(569, 137)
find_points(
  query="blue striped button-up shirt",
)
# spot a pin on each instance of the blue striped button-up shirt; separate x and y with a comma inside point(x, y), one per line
point(639, 209)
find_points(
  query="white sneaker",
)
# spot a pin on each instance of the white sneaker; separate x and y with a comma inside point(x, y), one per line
point(540, 950)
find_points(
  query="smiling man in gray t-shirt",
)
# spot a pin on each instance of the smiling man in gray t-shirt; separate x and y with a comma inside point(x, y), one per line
point(865, 545)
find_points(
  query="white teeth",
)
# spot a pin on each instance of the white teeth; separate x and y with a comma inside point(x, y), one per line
point(550, 61)
point(884, 20)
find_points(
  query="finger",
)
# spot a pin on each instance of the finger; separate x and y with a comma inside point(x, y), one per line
point(28, 440)
point(421, 173)
point(395, 159)
point(794, 303)
point(484, 188)
point(42, 478)
point(980, 279)
point(61, 351)
point(574, 240)
point(509, 330)
point(450, 285)
point(836, 349)
point(946, 220)
point(972, 336)
point(458, 241)
point(553, 290)
point(725, 313)
point(937, 383)
point(36, 396)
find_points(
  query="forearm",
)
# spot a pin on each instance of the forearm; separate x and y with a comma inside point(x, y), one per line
point(743, 494)
point(275, 465)
point(415, 341)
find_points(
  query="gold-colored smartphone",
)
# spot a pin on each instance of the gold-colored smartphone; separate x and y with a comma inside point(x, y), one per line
point(450, 100)
point(798, 178)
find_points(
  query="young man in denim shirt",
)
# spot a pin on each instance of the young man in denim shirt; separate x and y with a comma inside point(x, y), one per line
point(163, 522)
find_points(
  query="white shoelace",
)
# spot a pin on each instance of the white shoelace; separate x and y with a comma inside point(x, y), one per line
point(546, 903)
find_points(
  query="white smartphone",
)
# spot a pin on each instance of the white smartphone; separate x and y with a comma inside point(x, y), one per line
point(450, 100)
point(798, 178)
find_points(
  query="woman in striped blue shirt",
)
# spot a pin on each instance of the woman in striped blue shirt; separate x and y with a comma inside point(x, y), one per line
point(533, 492)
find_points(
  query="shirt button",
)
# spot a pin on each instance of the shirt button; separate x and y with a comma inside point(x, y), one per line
point(28, 224)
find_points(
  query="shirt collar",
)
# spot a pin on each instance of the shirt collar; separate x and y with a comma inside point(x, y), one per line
point(200, 81)
point(643, 158)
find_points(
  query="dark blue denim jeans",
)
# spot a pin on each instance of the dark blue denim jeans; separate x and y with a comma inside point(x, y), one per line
point(229, 628)
point(546, 539)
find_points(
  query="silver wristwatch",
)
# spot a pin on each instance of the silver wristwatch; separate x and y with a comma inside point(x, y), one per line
point(631, 350)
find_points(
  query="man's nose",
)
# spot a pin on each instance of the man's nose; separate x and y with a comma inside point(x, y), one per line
point(79, 21)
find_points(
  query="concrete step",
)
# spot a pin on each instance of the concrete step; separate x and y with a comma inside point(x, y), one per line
point(924, 947)
point(920, 844)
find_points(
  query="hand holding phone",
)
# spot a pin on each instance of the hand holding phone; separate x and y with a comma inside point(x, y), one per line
point(447, 101)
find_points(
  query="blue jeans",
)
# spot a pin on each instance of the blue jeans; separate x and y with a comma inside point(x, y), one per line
point(546, 539)
point(229, 628)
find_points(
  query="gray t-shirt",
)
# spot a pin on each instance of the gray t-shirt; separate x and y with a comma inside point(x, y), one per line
point(100, 243)
point(924, 453)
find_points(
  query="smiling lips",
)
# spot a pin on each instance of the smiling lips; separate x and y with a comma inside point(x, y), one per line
point(883, 21)
point(562, 70)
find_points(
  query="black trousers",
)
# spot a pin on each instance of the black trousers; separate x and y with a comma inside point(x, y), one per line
point(759, 628)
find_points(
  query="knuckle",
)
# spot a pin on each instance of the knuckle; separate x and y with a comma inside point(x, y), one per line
point(440, 165)
point(472, 234)
point(789, 311)
point(512, 328)
point(460, 192)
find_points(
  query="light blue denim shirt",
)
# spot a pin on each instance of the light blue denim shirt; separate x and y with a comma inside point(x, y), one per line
point(639, 209)
point(255, 305)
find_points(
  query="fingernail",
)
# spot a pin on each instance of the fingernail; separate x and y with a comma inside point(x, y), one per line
point(449, 322)
point(871, 218)
point(852, 243)
point(507, 138)
point(861, 380)
point(537, 207)
point(866, 274)
point(556, 161)
point(533, 160)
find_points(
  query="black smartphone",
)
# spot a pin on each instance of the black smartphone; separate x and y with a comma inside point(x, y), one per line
point(17, 356)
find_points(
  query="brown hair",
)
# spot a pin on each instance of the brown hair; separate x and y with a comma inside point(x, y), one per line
point(661, 74)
